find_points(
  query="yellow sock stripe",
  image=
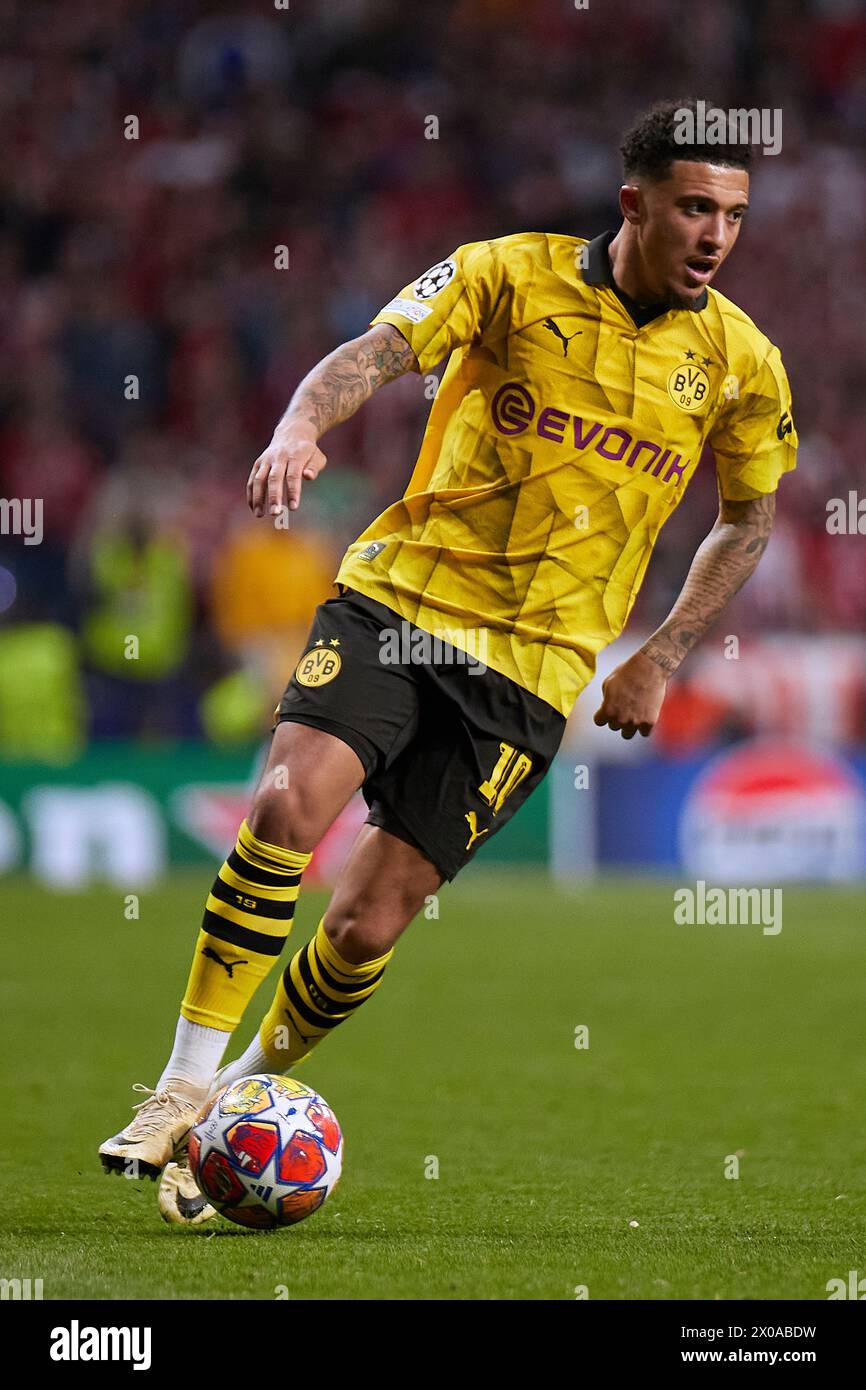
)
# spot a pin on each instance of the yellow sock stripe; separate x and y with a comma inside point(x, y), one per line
point(270, 1022)
point(307, 998)
point(281, 1058)
point(270, 856)
point(303, 1026)
point(281, 1008)
point(250, 889)
point(268, 926)
point(335, 964)
point(309, 1027)
point(339, 998)
point(218, 1000)
point(247, 917)
point(257, 960)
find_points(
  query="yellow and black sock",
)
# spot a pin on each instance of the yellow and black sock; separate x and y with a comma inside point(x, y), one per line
point(317, 990)
point(247, 919)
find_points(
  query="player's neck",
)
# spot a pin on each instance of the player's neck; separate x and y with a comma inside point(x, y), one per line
point(627, 268)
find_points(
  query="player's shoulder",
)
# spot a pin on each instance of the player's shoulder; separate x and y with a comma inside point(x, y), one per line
point(545, 249)
point(745, 340)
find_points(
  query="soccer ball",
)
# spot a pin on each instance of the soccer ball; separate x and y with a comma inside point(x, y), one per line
point(266, 1151)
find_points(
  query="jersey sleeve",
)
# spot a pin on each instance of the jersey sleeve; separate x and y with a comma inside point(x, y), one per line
point(448, 306)
point(754, 440)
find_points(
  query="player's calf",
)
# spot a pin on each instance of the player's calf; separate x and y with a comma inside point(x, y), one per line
point(381, 888)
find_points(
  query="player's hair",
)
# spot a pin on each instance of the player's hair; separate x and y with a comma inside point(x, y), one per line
point(649, 148)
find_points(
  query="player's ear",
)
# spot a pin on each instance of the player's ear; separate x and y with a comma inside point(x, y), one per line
point(630, 202)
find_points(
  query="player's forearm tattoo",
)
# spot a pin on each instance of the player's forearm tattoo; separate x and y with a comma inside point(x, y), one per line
point(348, 376)
point(721, 566)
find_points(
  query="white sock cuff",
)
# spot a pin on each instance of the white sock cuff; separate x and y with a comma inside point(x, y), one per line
point(250, 1063)
point(196, 1054)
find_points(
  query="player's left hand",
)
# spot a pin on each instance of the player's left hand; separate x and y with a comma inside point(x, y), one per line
point(632, 696)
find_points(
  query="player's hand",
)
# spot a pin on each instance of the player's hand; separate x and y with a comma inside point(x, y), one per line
point(632, 696)
point(275, 477)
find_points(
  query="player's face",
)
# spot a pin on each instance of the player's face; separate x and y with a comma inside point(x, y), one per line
point(689, 224)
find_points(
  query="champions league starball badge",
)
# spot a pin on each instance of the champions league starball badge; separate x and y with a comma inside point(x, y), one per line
point(434, 279)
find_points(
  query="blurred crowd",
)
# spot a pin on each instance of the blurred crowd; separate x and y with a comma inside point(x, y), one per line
point(155, 155)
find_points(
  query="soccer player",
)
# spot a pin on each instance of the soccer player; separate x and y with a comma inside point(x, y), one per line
point(583, 380)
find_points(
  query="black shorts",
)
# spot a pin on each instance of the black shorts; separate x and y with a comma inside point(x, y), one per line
point(450, 749)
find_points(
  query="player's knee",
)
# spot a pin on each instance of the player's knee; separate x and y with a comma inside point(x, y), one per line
point(281, 815)
point(365, 929)
point(358, 941)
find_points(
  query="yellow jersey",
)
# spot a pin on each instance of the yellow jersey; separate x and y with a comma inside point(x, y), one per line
point(561, 438)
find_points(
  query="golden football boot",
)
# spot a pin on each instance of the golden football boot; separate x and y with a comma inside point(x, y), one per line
point(180, 1201)
point(159, 1130)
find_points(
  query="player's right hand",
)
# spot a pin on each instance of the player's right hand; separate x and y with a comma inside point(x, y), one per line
point(632, 697)
point(275, 477)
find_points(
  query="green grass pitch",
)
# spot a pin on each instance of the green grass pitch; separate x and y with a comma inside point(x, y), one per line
point(559, 1167)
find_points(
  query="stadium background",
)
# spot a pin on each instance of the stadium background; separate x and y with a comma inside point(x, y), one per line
point(148, 344)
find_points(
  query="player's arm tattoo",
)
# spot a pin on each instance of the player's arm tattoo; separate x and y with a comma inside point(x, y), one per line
point(721, 566)
point(348, 376)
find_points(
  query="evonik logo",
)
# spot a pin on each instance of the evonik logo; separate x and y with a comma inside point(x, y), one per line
point(513, 411)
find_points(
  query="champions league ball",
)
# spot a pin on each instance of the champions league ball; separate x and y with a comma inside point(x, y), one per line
point(266, 1151)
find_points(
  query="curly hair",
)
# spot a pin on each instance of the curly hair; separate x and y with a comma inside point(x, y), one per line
point(650, 147)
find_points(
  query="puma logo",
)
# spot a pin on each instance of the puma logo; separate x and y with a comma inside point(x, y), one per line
point(228, 966)
point(557, 331)
point(785, 425)
point(474, 833)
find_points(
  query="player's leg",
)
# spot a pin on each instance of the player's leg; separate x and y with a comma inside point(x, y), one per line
point(449, 790)
point(383, 884)
point(381, 887)
point(309, 778)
